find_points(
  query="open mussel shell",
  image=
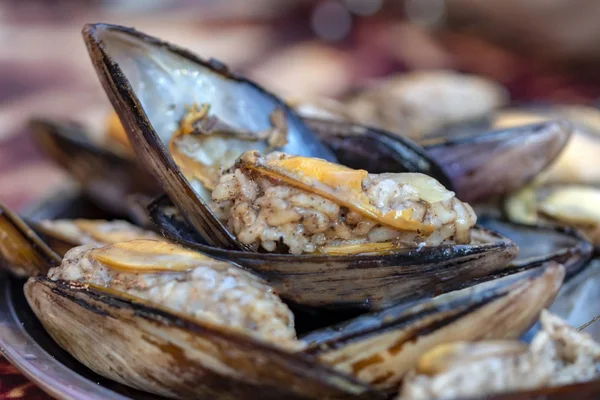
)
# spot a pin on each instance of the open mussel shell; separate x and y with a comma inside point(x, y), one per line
point(539, 244)
point(498, 162)
point(150, 82)
point(380, 348)
point(375, 150)
point(366, 281)
point(173, 356)
point(106, 176)
point(22, 251)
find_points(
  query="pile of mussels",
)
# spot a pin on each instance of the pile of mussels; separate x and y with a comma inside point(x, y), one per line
point(317, 250)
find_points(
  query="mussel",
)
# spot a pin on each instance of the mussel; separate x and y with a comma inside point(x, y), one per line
point(381, 348)
point(367, 240)
point(182, 324)
point(559, 355)
point(106, 173)
point(126, 60)
point(164, 309)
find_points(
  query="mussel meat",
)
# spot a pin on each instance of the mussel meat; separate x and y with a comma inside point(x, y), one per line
point(183, 325)
point(558, 355)
point(386, 237)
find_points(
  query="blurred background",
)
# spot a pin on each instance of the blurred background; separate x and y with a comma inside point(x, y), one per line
point(542, 50)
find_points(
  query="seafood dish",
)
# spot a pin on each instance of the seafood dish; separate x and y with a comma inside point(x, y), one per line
point(406, 242)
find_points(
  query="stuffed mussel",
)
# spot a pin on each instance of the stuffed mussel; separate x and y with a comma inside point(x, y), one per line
point(226, 334)
point(362, 273)
point(310, 205)
point(558, 355)
point(184, 325)
point(327, 240)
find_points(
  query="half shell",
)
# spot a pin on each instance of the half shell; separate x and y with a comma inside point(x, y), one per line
point(539, 244)
point(174, 356)
point(150, 83)
point(349, 281)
